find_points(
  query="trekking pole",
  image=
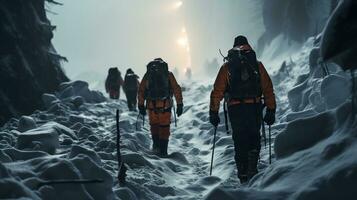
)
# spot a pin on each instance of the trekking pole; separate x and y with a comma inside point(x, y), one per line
point(269, 144)
point(121, 167)
point(137, 120)
point(264, 134)
point(143, 120)
point(214, 145)
point(175, 116)
point(226, 116)
point(263, 129)
point(69, 181)
point(353, 95)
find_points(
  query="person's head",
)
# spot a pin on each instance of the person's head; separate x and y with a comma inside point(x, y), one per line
point(159, 59)
point(129, 71)
point(113, 71)
point(240, 40)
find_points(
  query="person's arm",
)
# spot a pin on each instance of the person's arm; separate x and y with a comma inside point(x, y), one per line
point(219, 88)
point(267, 88)
point(121, 82)
point(141, 92)
point(106, 85)
point(176, 89)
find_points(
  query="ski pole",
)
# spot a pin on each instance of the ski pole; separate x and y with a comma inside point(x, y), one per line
point(214, 145)
point(226, 116)
point(269, 144)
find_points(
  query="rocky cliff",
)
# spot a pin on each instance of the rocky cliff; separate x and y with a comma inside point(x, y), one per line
point(29, 64)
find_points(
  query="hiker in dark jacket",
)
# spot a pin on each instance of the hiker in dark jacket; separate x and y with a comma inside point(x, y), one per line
point(113, 83)
point(130, 87)
point(246, 83)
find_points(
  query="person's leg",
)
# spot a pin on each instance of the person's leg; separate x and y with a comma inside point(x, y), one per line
point(254, 115)
point(128, 100)
point(165, 120)
point(155, 130)
point(135, 99)
point(132, 97)
point(240, 139)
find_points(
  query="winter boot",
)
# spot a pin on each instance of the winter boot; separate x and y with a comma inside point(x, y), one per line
point(242, 172)
point(163, 147)
point(155, 143)
point(253, 157)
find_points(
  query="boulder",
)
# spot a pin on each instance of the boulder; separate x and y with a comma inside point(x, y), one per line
point(26, 123)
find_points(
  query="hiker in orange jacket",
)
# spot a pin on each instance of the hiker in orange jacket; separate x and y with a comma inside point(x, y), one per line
point(245, 83)
point(157, 88)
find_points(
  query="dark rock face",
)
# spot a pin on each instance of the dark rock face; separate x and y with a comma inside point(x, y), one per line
point(339, 41)
point(29, 64)
point(296, 20)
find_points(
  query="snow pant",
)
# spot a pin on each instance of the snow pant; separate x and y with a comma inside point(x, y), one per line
point(160, 129)
point(246, 122)
point(114, 94)
point(131, 99)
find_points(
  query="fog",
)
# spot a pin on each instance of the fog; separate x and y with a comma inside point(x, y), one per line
point(95, 35)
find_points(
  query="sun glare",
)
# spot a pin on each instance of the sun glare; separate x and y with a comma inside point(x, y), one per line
point(177, 4)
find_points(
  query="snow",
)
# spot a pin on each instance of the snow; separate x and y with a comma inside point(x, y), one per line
point(26, 123)
point(74, 138)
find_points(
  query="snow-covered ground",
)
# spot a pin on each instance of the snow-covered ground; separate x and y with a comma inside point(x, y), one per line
point(315, 146)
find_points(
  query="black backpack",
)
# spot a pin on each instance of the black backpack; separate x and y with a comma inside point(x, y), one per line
point(157, 76)
point(131, 82)
point(244, 75)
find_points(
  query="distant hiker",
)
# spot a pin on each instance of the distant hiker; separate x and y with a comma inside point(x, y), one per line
point(188, 73)
point(157, 88)
point(113, 83)
point(245, 83)
point(130, 87)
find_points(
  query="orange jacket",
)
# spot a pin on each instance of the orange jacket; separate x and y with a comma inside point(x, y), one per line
point(222, 81)
point(175, 87)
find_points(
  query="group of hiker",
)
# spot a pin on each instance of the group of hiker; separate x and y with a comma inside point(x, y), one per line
point(242, 82)
point(130, 86)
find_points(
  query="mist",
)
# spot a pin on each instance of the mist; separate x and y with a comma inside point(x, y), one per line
point(95, 35)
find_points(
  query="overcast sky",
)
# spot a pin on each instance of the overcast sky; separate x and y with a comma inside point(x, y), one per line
point(97, 34)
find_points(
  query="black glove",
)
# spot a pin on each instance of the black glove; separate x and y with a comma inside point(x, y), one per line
point(142, 110)
point(179, 109)
point(269, 117)
point(214, 118)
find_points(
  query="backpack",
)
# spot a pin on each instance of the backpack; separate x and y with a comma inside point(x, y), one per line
point(113, 79)
point(131, 82)
point(244, 76)
point(157, 76)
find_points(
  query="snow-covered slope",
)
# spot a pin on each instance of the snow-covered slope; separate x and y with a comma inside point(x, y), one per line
point(75, 139)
